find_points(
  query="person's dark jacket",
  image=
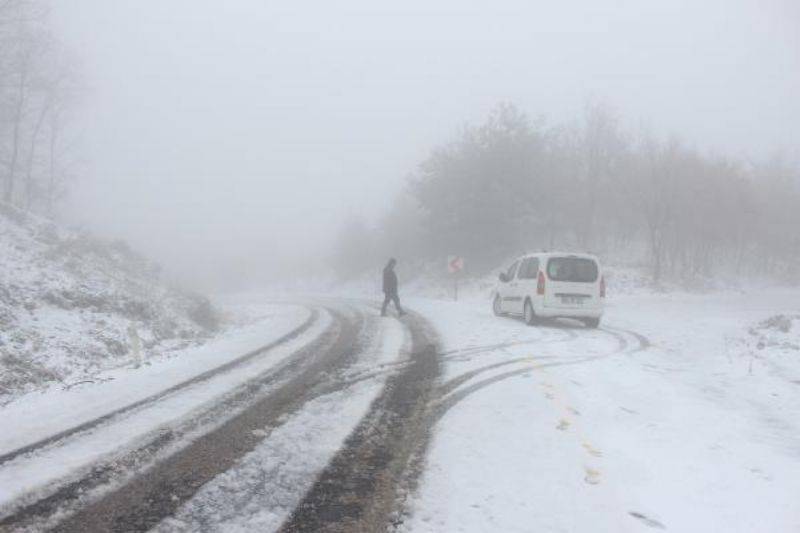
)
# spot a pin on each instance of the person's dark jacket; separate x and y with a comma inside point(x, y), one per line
point(389, 281)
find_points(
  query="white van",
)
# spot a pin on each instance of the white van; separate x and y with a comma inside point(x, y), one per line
point(545, 285)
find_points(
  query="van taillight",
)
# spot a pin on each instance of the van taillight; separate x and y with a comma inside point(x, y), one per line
point(540, 284)
point(603, 287)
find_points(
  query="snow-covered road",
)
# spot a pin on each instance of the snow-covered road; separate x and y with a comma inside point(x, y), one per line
point(253, 432)
point(664, 418)
point(60, 435)
point(68, 407)
point(682, 412)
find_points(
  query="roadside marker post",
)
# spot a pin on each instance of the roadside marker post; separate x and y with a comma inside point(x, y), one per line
point(455, 265)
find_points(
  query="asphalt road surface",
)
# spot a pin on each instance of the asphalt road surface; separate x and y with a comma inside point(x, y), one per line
point(361, 489)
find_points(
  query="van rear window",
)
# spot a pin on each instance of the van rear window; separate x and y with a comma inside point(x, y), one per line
point(573, 269)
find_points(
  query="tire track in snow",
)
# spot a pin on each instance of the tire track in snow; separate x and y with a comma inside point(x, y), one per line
point(448, 402)
point(149, 400)
point(120, 468)
point(362, 487)
point(158, 492)
point(644, 342)
point(463, 354)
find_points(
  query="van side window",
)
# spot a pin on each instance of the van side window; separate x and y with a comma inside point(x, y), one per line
point(529, 268)
point(512, 270)
point(523, 268)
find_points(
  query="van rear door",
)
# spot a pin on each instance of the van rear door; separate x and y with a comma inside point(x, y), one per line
point(573, 282)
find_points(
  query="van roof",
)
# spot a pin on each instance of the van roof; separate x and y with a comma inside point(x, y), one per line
point(560, 254)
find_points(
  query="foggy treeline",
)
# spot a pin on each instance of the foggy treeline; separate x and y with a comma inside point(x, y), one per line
point(38, 90)
point(513, 185)
point(509, 185)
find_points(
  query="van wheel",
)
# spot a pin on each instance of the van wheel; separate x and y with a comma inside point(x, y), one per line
point(496, 306)
point(529, 315)
point(592, 322)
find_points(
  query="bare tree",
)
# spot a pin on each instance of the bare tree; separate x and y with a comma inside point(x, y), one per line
point(37, 87)
point(508, 186)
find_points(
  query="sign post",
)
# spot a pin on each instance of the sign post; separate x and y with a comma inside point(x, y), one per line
point(455, 265)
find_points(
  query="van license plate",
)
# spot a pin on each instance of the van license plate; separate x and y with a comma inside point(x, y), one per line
point(572, 300)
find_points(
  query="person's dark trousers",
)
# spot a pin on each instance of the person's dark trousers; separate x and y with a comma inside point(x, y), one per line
point(391, 297)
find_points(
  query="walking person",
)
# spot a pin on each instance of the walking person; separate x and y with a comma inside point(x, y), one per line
point(390, 288)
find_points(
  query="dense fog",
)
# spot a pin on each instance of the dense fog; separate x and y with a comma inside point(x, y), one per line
point(419, 266)
point(254, 141)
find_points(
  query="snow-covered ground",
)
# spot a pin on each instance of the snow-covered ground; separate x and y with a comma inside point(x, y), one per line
point(682, 413)
point(261, 491)
point(39, 414)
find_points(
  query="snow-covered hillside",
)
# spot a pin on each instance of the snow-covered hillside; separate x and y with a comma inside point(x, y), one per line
point(72, 305)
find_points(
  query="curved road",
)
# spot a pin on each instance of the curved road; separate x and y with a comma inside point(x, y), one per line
point(375, 460)
point(365, 482)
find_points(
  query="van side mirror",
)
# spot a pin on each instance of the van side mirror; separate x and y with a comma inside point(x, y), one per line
point(503, 277)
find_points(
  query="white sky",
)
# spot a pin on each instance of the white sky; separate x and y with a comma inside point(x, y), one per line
point(222, 136)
